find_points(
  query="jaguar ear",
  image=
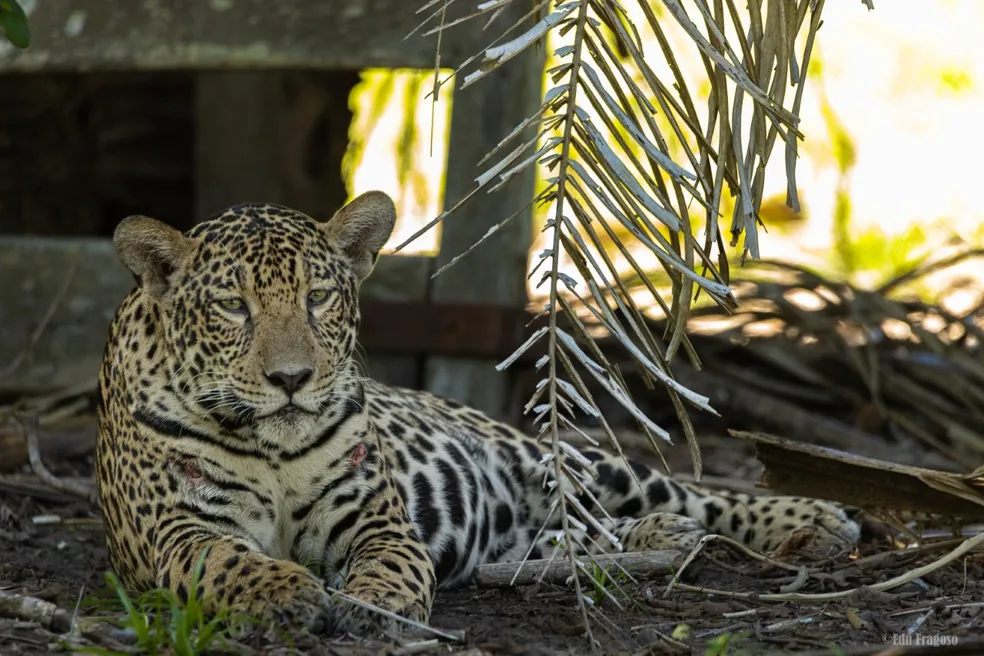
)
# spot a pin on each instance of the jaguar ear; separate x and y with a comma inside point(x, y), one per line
point(361, 228)
point(151, 250)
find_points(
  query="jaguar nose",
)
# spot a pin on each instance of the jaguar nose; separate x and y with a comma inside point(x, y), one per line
point(289, 381)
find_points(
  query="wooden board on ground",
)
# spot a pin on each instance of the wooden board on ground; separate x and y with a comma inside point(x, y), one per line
point(808, 470)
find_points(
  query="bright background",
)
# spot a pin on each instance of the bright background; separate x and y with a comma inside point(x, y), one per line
point(889, 171)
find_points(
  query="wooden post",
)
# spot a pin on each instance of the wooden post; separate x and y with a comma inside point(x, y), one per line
point(275, 137)
point(92, 35)
point(235, 127)
point(495, 273)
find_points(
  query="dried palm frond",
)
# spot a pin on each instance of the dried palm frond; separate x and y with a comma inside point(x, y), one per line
point(880, 358)
point(632, 162)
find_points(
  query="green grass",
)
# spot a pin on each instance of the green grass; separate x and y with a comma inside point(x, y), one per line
point(724, 645)
point(604, 581)
point(161, 622)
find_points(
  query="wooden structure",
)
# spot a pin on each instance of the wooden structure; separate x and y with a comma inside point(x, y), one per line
point(256, 66)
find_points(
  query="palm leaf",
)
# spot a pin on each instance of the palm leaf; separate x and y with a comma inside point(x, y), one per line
point(632, 162)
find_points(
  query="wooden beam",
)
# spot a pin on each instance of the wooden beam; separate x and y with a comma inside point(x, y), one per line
point(235, 151)
point(495, 273)
point(58, 298)
point(400, 279)
point(95, 35)
point(284, 143)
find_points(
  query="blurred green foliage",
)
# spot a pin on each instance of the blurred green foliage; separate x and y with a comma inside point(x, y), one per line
point(13, 22)
point(370, 101)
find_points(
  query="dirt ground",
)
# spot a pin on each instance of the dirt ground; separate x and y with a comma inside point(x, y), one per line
point(64, 562)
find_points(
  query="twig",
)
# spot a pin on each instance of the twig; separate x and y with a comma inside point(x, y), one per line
point(12, 485)
point(78, 605)
point(393, 616)
point(58, 620)
point(738, 545)
point(902, 579)
point(416, 647)
point(32, 609)
point(43, 325)
point(801, 577)
point(504, 575)
point(948, 607)
point(782, 625)
point(30, 428)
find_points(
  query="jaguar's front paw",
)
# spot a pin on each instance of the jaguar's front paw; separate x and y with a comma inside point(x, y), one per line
point(280, 595)
point(370, 613)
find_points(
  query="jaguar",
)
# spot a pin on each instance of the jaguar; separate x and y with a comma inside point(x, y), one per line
point(243, 452)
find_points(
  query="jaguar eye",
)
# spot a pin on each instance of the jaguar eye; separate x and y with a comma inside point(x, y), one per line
point(233, 304)
point(318, 296)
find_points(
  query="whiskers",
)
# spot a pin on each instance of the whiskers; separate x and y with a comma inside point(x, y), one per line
point(358, 359)
point(211, 394)
point(217, 395)
point(218, 398)
point(343, 387)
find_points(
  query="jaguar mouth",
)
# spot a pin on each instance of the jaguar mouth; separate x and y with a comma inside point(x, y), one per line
point(290, 411)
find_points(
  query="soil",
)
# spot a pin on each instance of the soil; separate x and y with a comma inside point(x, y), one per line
point(64, 562)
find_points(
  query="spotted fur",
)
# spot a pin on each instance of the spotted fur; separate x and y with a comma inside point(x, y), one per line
point(237, 431)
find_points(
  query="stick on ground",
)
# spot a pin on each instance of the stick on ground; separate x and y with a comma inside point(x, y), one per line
point(30, 427)
point(641, 563)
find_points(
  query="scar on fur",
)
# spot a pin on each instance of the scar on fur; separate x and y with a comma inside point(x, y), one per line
point(191, 472)
point(358, 454)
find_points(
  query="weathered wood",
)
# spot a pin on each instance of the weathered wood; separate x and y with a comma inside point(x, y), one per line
point(798, 469)
point(235, 155)
point(495, 273)
point(468, 330)
point(272, 136)
point(33, 271)
point(94, 35)
point(397, 278)
point(638, 563)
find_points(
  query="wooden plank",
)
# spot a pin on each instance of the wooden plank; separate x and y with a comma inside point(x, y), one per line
point(795, 468)
point(235, 150)
point(284, 143)
point(95, 35)
point(69, 348)
point(457, 329)
point(397, 278)
point(495, 273)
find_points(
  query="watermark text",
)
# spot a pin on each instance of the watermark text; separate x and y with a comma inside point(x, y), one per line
point(918, 639)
